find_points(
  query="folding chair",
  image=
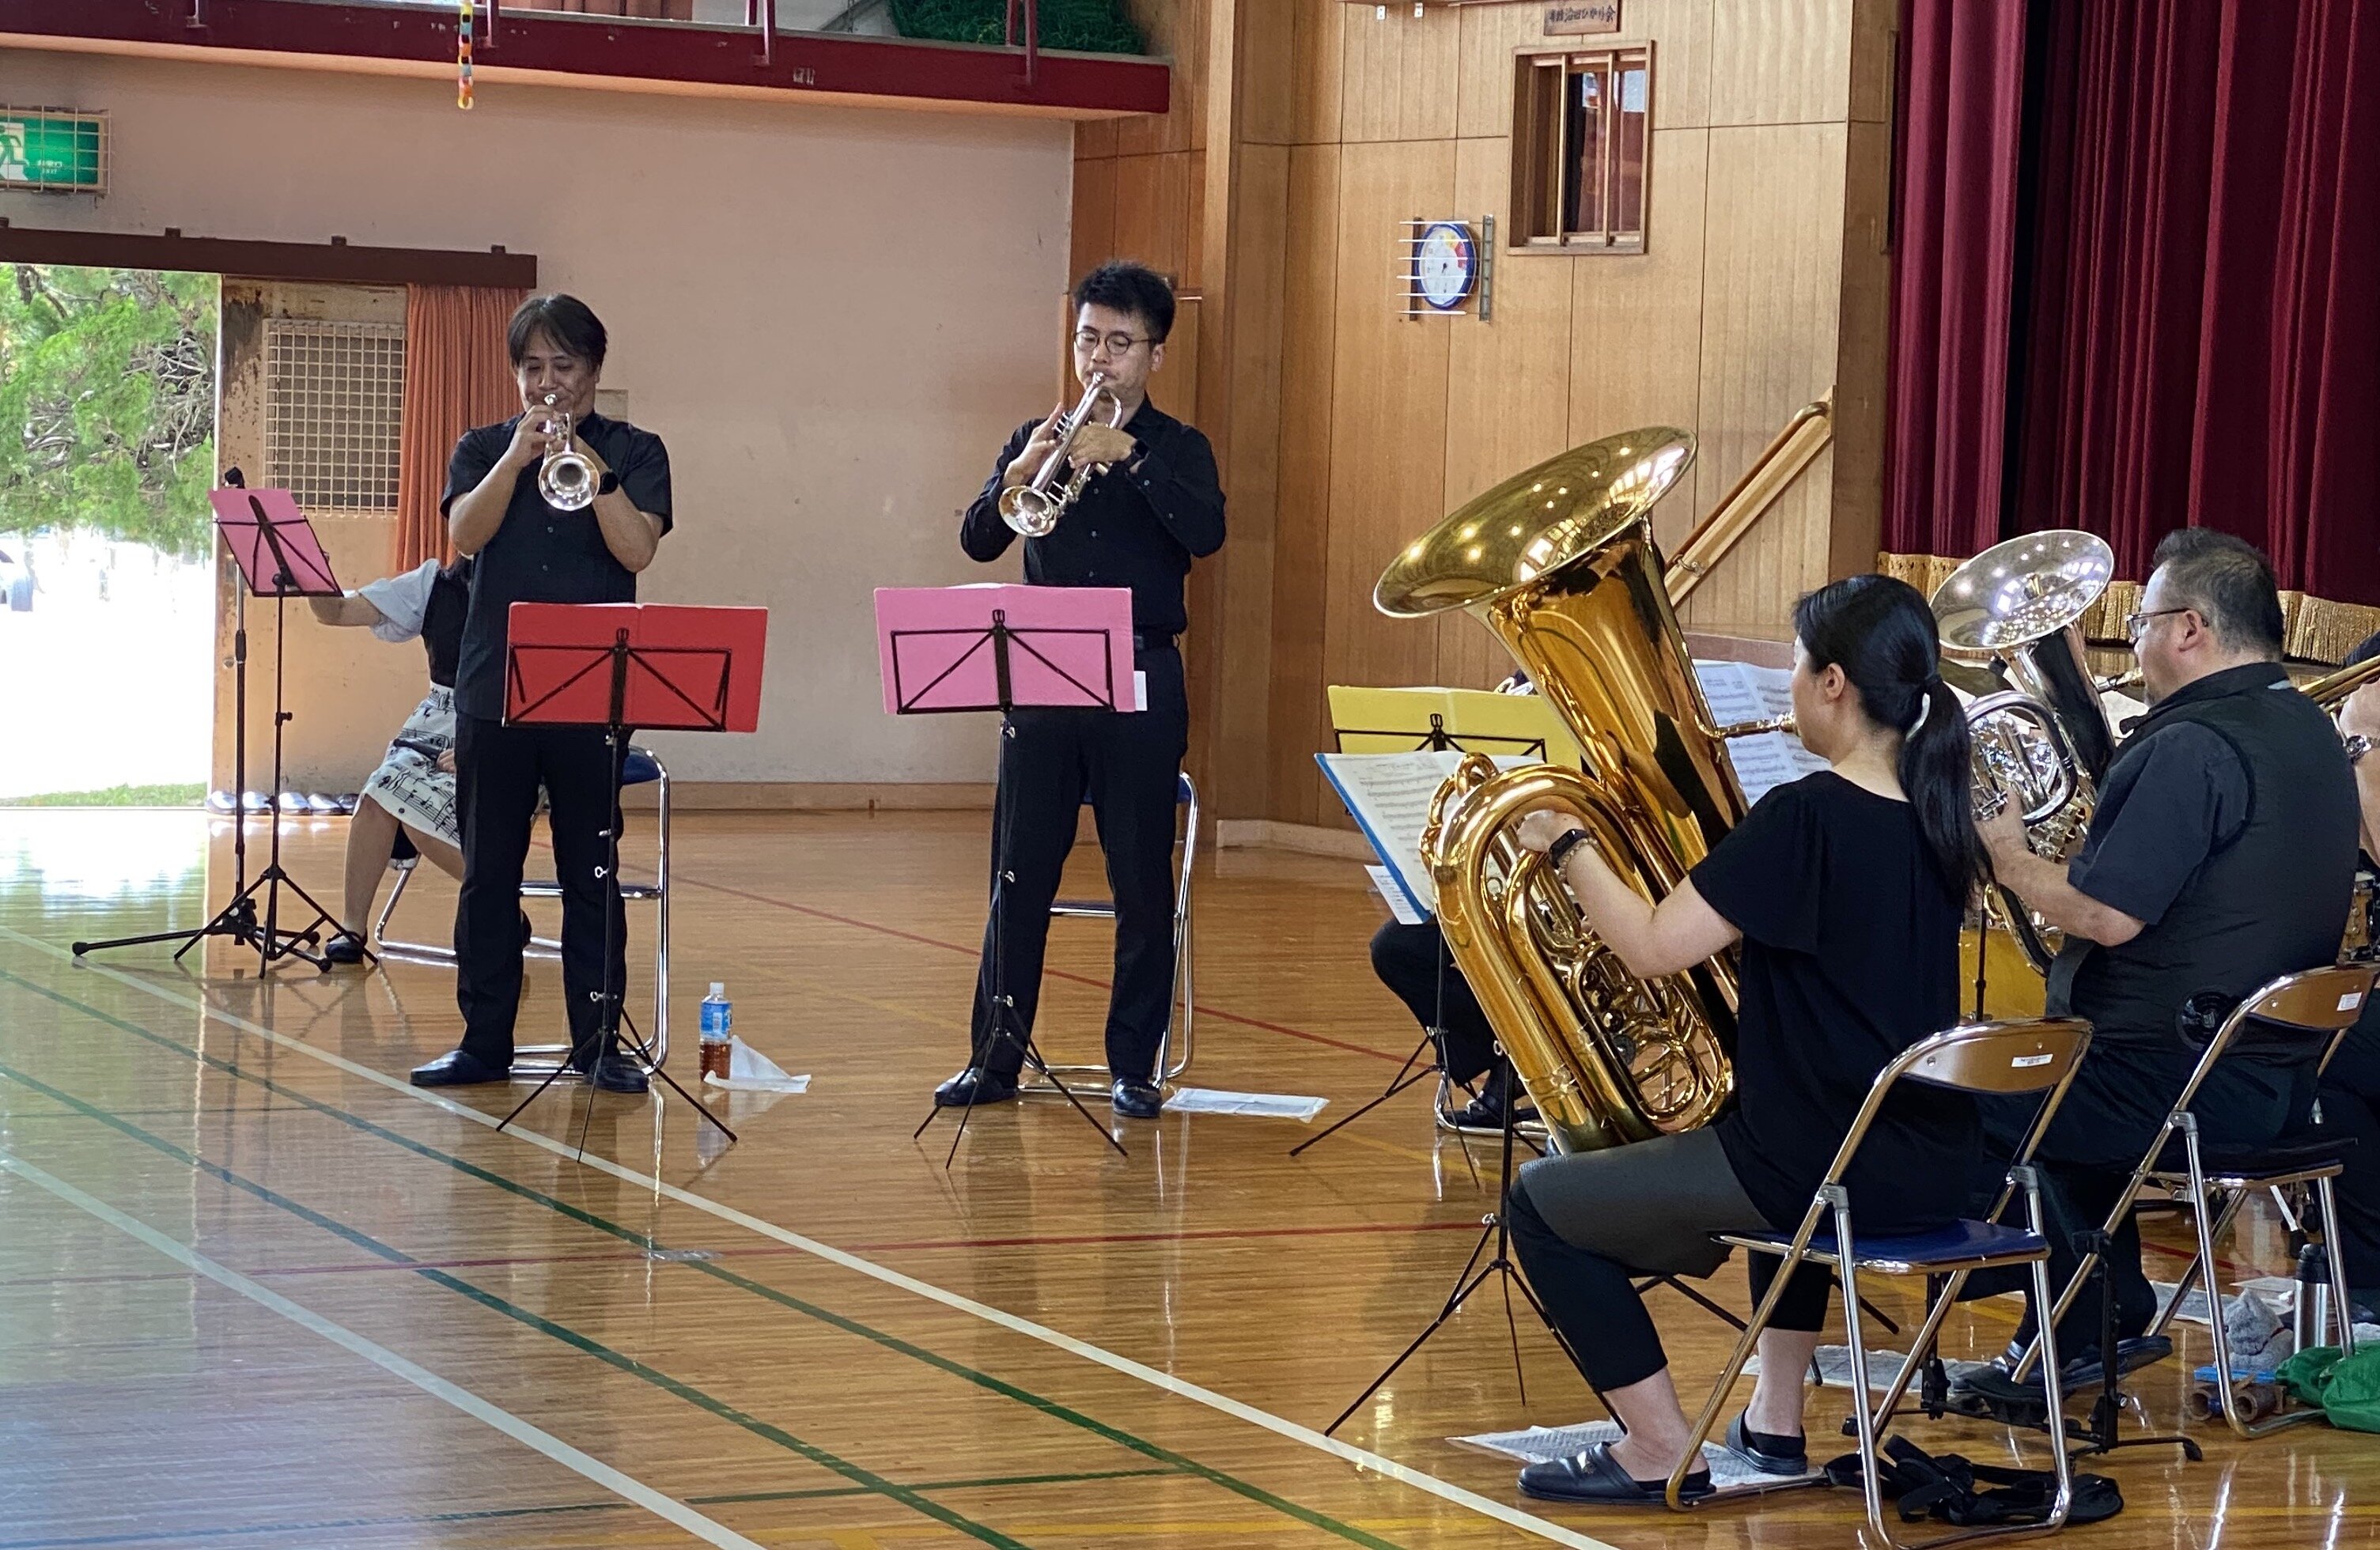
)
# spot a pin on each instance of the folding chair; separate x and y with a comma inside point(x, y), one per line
point(640, 768)
point(2317, 1006)
point(1173, 1052)
point(2038, 1056)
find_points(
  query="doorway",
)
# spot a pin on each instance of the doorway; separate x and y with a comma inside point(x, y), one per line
point(107, 450)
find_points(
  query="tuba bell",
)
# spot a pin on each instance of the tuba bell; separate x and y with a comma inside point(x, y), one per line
point(2011, 617)
point(1560, 563)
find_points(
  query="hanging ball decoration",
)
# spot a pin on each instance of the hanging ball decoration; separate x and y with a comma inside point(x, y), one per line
point(463, 54)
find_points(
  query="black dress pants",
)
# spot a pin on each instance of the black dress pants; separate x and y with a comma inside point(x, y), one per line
point(1413, 961)
point(498, 772)
point(2119, 1097)
point(1129, 764)
point(2350, 1110)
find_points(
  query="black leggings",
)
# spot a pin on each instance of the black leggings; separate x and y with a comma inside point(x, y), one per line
point(1595, 1306)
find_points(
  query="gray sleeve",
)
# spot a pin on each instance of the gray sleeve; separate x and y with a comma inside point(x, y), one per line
point(2167, 809)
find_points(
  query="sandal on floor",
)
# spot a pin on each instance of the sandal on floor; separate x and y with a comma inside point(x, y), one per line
point(1596, 1476)
point(348, 946)
point(1744, 1442)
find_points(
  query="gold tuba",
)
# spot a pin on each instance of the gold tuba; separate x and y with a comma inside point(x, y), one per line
point(2011, 618)
point(1559, 563)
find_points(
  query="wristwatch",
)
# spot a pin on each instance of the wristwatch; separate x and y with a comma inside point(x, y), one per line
point(2357, 746)
point(1558, 852)
point(608, 483)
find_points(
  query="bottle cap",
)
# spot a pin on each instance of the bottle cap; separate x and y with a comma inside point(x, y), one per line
point(718, 987)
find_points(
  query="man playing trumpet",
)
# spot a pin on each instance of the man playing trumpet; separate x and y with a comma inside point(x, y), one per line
point(1154, 506)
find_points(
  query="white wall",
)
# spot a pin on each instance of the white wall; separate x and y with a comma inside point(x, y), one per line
point(834, 317)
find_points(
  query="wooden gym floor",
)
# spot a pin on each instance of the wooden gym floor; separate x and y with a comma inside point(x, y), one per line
point(254, 1291)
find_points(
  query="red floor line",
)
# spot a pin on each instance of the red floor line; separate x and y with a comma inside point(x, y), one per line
point(1054, 974)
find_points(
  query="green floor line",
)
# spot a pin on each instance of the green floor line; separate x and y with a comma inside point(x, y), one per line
point(892, 1342)
point(825, 1490)
point(676, 1388)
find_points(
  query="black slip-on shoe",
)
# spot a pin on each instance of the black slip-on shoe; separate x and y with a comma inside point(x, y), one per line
point(1767, 1453)
point(458, 1068)
point(975, 1087)
point(1135, 1100)
point(1596, 1476)
point(347, 947)
point(616, 1073)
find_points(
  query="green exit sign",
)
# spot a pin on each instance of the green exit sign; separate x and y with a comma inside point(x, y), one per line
point(59, 152)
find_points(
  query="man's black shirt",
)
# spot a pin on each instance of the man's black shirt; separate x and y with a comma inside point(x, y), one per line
point(539, 554)
point(1139, 525)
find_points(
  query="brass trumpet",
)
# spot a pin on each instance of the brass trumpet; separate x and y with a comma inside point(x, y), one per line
point(564, 478)
point(1033, 509)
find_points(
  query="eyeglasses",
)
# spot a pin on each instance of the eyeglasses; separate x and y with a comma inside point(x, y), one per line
point(1089, 340)
point(2137, 625)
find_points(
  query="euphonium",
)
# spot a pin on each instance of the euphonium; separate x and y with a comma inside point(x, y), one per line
point(1034, 509)
point(2012, 615)
point(564, 478)
point(1559, 563)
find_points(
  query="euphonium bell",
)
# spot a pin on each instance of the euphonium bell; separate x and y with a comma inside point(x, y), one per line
point(1559, 563)
point(1034, 509)
point(564, 478)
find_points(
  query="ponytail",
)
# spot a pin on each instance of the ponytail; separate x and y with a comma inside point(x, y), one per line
point(1880, 632)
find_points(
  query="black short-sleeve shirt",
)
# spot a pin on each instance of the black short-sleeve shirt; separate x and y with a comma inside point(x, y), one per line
point(540, 554)
point(1851, 955)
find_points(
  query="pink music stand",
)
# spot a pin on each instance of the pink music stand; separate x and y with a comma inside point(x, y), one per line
point(1001, 648)
point(947, 648)
point(271, 542)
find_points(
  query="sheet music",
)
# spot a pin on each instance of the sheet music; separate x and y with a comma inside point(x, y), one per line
point(1388, 797)
point(1746, 692)
point(1392, 894)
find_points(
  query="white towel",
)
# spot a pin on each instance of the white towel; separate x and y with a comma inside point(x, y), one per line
point(748, 1071)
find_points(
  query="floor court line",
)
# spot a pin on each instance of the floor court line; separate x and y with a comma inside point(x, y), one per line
point(1362, 1458)
point(1181, 1463)
point(470, 1404)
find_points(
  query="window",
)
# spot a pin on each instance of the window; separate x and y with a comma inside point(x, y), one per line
point(332, 397)
point(1581, 140)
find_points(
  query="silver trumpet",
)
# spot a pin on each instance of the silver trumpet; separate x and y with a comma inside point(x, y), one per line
point(1033, 509)
point(564, 478)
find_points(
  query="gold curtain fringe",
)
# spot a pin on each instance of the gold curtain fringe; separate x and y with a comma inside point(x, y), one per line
point(2312, 629)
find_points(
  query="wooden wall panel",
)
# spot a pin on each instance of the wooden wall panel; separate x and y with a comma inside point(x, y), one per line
point(1861, 355)
point(1780, 61)
point(1636, 334)
point(1388, 428)
point(1399, 75)
point(1093, 235)
point(1299, 720)
point(1318, 49)
point(1177, 32)
point(1152, 211)
point(1773, 273)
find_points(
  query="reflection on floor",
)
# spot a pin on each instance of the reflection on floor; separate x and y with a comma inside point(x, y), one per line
point(254, 1291)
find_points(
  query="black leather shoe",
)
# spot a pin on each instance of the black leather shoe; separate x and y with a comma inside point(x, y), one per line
point(973, 1087)
point(616, 1073)
point(348, 946)
point(1135, 1100)
point(1786, 1456)
point(1596, 1476)
point(458, 1068)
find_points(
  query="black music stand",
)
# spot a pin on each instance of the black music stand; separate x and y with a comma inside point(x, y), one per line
point(279, 556)
point(615, 665)
point(986, 663)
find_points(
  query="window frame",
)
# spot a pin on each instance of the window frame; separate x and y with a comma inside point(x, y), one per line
point(1540, 161)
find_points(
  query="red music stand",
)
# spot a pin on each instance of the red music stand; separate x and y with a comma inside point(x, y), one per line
point(279, 557)
point(656, 667)
point(948, 648)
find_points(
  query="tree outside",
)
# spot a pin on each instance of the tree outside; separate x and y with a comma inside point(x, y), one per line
point(107, 402)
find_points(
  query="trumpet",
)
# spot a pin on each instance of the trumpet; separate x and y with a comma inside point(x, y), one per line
point(1033, 509)
point(564, 478)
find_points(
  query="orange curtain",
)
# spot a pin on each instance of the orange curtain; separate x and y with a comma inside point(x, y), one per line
point(456, 376)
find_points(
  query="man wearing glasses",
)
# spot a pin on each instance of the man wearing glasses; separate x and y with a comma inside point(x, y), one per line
point(1156, 507)
point(2221, 854)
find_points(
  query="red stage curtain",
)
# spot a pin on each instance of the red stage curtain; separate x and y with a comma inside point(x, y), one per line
point(2198, 318)
point(456, 376)
point(1954, 237)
